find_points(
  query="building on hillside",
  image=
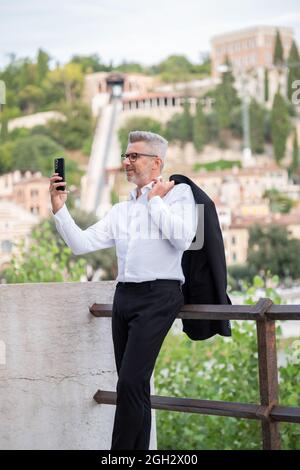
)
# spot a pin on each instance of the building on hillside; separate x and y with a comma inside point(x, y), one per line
point(248, 48)
point(250, 52)
point(29, 190)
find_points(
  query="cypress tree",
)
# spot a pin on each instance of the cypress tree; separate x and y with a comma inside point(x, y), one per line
point(278, 50)
point(295, 161)
point(293, 69)
point(226, 98)
point(186, 124)
point(256, 127)
point(280, 126)
point(199, 128)
point(266, 83)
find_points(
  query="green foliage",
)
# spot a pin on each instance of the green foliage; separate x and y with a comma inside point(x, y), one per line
point(289, 393)
point(295, 165)
point(218, 165)
point(177, 68)
point(78, 127)
point(278, 201)
point(90, 63)
point(278, 50)
point(226, 98)
point(64, 83)
point(280, 126)
point(293, 69)
point(43, 59)
point(256, 115)
point(35, 153)
point(271, 249)
point(129, 67)
point(224, 369)
point(138, 123)
point(180, 127)
point(186, 124)
point(43, 260)
point(6, 160)
point(266, 84)
point(199, 128)
point(173, 128)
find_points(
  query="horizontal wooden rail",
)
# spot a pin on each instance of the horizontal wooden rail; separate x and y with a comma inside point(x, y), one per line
point(211, 407)
point(220, 312)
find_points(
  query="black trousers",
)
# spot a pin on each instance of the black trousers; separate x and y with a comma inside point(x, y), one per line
point(142, 315)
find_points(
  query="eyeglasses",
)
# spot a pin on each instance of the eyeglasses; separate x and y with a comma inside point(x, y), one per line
point(134, 156)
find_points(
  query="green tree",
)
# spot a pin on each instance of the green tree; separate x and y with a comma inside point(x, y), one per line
point(31, 98)
point(271, 249)
point(293, 69)
point(226, 98)
point(43, 260)
point(266, 85)
point(90, 63)
point(256, 112)
point(295, 162)
point(174, 68)
point(6, 159)
point(42, 65)
point(35, 153)
point(129, 67)
point(280, 126)
point(278, 201)
point(64, 83)
point(199, 128)
point(278, 50)
point(186, 124)
point(78, 127)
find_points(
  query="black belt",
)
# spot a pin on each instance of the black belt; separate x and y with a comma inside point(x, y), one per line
point(170, 282)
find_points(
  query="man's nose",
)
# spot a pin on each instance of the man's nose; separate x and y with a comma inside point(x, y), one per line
point(126, 161)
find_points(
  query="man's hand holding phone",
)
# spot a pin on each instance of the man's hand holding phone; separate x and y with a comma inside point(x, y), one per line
point(58, 197)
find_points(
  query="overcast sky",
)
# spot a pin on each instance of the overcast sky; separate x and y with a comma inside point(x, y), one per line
point(135, 30)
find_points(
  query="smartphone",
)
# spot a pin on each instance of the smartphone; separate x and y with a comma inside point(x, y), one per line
point(59, 167)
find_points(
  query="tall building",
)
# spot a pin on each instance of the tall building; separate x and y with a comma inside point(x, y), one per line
point(249, 48)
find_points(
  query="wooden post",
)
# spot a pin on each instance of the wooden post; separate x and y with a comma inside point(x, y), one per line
point(268, 375)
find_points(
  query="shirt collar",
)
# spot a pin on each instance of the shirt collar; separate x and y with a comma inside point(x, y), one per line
point(133, 193)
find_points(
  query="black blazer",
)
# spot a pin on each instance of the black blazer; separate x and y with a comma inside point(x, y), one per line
point(205, 270)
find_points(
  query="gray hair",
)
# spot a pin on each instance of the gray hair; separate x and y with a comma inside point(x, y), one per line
point(155, 141)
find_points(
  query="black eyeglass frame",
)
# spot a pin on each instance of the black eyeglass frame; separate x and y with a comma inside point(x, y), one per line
point(137, 154)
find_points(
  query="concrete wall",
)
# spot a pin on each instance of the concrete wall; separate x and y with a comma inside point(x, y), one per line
point(54, 357)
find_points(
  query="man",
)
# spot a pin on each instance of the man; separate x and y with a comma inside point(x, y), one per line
point(150, 231)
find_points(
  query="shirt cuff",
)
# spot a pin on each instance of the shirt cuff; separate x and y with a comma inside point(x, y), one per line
point(62, 215)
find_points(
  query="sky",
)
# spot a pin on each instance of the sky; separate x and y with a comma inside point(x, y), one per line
point(133, 30)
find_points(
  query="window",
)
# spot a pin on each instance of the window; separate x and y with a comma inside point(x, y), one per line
point(6, 246)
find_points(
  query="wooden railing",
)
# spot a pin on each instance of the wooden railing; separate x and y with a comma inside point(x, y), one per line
point(269, 412)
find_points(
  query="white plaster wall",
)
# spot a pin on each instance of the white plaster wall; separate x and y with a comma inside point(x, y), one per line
point(54, 356)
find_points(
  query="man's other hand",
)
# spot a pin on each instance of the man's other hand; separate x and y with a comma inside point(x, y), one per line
point(160, 188)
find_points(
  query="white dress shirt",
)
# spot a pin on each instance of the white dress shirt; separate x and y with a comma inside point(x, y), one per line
point(150, 236)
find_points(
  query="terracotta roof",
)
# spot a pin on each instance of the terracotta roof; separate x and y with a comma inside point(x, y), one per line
point(293, 218)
